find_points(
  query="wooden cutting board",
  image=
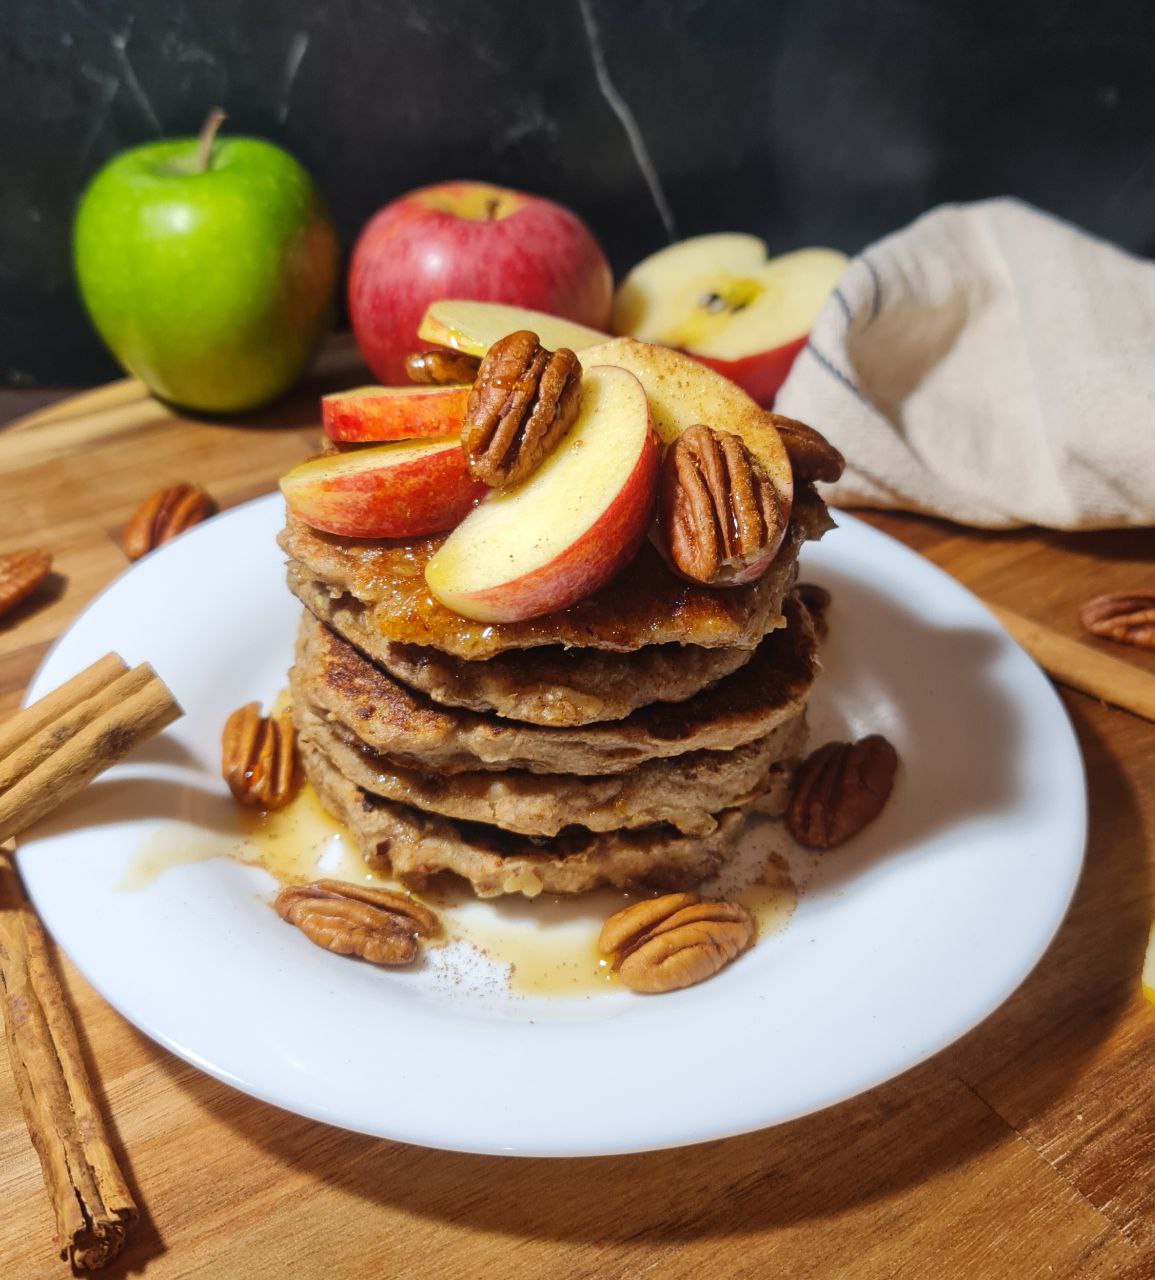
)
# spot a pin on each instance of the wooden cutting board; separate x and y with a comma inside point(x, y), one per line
point(1028, 1149)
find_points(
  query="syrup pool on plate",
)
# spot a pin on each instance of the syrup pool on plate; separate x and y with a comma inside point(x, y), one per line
point(546, 946)
point(296, 844)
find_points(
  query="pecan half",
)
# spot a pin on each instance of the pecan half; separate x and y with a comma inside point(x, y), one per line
point(840, 788)
point(21, 572)
point(720, 514)
point(259, 757)
point(1125, 616)
point(163, 515)
point(816, 600)
point(811, 455)
point(674, 941)
point(524, 400)
point(441, 368)
point(355, 920)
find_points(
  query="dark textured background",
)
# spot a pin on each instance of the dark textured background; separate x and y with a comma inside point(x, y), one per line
point(806, 121)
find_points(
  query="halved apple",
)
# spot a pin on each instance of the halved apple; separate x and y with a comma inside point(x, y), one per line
point(721, 299)
point(473, 327)
point(401, 490)
point(393, 413)
point(565, 531)
point(682, 392)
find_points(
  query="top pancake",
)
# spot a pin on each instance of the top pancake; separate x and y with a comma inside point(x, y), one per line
point(646, 604)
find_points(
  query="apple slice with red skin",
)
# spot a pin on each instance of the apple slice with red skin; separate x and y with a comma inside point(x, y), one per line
point(393, 413)
point(473, 327)
point(401, 490)
point(563, 533)
point(721, 299)
point(682, 392)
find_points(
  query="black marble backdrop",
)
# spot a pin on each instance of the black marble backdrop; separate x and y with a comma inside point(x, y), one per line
point(805, 121)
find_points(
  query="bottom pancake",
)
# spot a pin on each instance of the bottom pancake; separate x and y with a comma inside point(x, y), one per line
point(415, 846)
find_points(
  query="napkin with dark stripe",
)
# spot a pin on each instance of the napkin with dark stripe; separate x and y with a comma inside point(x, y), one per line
point(990, 364)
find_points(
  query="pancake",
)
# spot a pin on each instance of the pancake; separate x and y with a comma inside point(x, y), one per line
point(415, 846)
point(764, 698)
point(548, 686)
point(646, 604)
point(685, 791)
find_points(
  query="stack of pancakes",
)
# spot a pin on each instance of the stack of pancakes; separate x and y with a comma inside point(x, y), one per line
point(620, 742)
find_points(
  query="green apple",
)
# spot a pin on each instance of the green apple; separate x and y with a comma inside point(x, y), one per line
point(208, 266)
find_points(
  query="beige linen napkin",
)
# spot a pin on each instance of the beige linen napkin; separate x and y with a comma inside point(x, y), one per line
point(990, 364)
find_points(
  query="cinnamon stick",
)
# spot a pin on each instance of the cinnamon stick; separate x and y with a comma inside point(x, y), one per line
point(47, 753)
point(112, 725)
point(39, 746)
point(79, 689)
point(90, 1199)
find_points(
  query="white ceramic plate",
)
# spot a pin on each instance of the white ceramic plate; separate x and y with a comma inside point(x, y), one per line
point(903, 940)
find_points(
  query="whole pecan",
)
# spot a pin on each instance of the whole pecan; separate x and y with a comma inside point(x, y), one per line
point(259, 757)
point(355, 920)
point(720, 514)
point(163, 515)
point(523, 401)
point(811, 455)
point(441, 368)
point(1125, 616)
point(840, 788)
point(674, 941)
point(21, 572)
point(816, 600)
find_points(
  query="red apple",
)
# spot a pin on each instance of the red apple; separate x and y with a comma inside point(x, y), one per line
point(473, 327)
point(682, 392)
point(564, 532)
point(393, 413)
point(401, 490)
point(469, 240)
point(719, 298)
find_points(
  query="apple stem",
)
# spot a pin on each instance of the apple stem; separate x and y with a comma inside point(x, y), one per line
point(491, 206)
point(207, 137)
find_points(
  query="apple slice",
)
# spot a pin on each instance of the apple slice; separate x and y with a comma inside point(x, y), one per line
point(473, 327)
point(564, 532)
point(393, 413)
point(398, 490)
point(682, 392)
point(721, 299)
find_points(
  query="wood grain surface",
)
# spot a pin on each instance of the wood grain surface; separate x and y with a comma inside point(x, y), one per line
point(1027, 1149)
